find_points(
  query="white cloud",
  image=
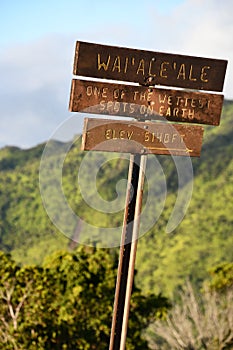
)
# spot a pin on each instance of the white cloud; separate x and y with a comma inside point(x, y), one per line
point(197, 28)
point(210, 33)
point(35, 80)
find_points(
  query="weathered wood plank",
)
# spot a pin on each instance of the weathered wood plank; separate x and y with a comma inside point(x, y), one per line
point(145, 102)
point(148, 67)
point(142, 137)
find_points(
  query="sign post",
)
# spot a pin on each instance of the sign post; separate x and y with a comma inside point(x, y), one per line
point(146, 135)
point(133, 251)
point(125, 251)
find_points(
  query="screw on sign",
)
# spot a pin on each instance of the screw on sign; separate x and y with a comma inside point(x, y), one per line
point(139, 138)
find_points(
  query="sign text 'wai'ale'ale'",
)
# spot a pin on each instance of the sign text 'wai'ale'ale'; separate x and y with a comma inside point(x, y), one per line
point(149, 68)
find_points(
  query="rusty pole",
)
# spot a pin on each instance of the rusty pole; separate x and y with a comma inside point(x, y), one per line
point(133, 251)
point(128, 249)
point(125, 249)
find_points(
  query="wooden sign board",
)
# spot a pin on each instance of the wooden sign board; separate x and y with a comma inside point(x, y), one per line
point(143, 138)
point(145, 102)
point(148, 68)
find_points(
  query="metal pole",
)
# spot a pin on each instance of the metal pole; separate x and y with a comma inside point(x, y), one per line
point(125, 249)
point(133, 250)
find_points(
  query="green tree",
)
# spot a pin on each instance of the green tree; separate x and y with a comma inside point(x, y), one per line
point(26, 295)
point(67, 303)
point(87, 283)
point(221, 277)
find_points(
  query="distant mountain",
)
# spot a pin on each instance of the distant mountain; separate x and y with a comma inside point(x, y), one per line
point(164, 260)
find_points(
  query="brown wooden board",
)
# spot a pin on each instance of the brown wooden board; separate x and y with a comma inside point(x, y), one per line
point(142, 137)
point(147, 67)
point(145, 102)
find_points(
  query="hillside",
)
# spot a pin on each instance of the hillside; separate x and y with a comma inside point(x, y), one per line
point(164, 260)
point(204, 238)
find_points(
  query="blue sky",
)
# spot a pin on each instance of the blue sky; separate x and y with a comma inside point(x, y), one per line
point(26, 20)
point(37, 40)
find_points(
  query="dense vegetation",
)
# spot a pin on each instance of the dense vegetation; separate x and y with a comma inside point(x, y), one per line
point(67, 303)
point(201, 242)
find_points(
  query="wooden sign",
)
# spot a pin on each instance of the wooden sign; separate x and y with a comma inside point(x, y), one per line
point(145, 102)
point(148, 68)
point(143, 138)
